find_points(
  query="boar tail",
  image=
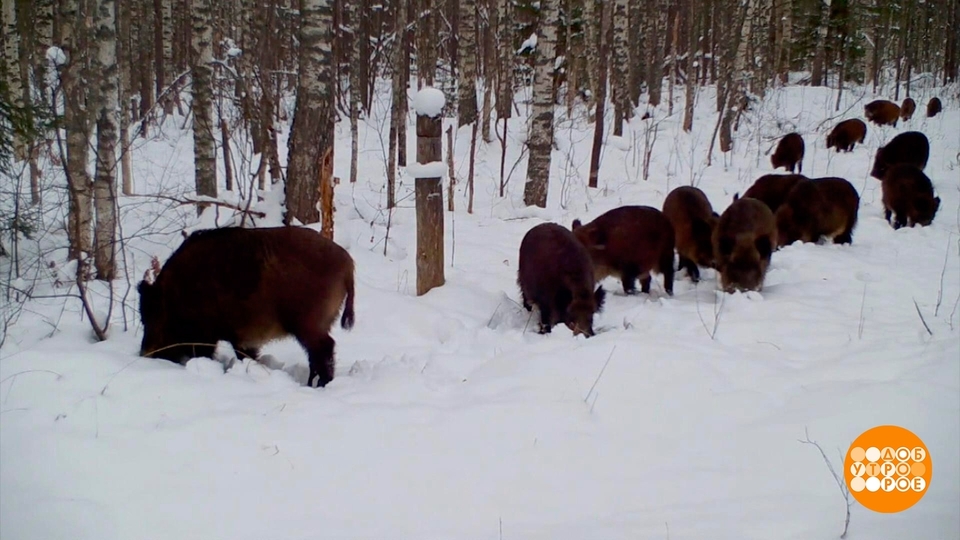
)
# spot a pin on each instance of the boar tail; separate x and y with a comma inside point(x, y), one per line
point(346, 321)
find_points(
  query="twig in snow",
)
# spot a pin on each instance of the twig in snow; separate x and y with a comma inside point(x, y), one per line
point(946, 257)
point(840, 482)
point(863, 301)
point(600, 374)
point(921, 318)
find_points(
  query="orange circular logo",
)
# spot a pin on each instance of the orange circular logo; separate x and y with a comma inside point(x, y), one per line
point(888, 469)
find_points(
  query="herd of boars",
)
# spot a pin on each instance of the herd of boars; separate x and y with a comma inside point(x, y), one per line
point(559, 268)
point(251, 286)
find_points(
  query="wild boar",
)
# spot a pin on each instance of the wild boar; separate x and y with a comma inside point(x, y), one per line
point(772, 189)
point(818, 207)
point(907, 109)
point(911, 147)
point(789, 153)
point(693, 220)
point(556, 275)
point(249, 287)
point(882, 112)
point(934, 107)
point(630, 242)
point(743, 241)
point(908, 197)
point(846, 134)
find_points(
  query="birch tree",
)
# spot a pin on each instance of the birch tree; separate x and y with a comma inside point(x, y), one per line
point(311, 133)
point(620, 91)
point(77, 126)
point(467, 56)
point(104, 69)
point(15, 84)
point(353, 13)
point(204, 145)
point(540, 140)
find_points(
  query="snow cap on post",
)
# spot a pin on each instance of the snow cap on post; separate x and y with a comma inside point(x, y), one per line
point(429, 102)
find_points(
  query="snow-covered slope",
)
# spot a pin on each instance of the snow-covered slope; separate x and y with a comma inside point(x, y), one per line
point(451, 418)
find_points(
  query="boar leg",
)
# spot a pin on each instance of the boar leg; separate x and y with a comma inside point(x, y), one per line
point(251, 353)
point(666, 268)
point(886, 214)
point(320, 355)
point(545, 315)
point(628, 276)
point(692, 270)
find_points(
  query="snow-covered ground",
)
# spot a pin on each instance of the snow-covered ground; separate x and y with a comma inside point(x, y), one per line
point(449, 417)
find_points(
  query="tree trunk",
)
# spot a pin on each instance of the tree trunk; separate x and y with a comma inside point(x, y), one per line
point(818, 74)
point(397, 116)
point(104, 64)
point(618, 70)
point(44, 39)
point(603, 16)
point(489, 64)
point(693, 36)
point(467, 57)
point(77, 127)
point(15, 84)
point(355, 62)
point(204, 145)
point(429, 201)
point(166, 50)
point(540, 140)
point(505, 61)
point(311, 134)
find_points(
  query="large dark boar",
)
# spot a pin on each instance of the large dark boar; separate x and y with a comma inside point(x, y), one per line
point(882, 112)
point(911, 147)
point(818, 207)
point(934, 107)
point(846, 134)
point(908, 196)
point(907, 108)
point(772, 189)
point(630, 242)
point(248, 287)
point(693, 220)
point(789, 153)
point(744, 240)
point(556, 275)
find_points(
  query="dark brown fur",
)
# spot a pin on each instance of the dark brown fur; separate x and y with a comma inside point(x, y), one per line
point(934, 107)
point(693, 220)
point(908, 197)
point(882, 112)
point(248, 287)
point(556, 275)
point(743, 241)
point(907, 109)
point(630, 242)
point(911, 147)
point(772, 189)
point(818, 207)
point(846, 134)
point(789, 153)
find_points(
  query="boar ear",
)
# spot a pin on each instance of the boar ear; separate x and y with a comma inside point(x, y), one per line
point(599, 296)
point(576, 225)
point(764, 246)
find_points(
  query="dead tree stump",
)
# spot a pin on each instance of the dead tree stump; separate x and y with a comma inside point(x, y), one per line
point(429, 193)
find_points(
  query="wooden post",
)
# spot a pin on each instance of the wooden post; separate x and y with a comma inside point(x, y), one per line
point(451, 187)
point(429, 191)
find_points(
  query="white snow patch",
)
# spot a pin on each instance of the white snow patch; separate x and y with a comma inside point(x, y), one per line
point(434, 169)
point(529, 43)
point(618, 142)
point(429, 101)
point(56, 56)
